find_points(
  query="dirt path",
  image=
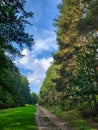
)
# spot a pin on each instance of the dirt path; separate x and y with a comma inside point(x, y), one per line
point(48, 121)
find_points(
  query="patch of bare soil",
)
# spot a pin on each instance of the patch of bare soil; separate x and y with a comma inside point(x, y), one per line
point(48, 121)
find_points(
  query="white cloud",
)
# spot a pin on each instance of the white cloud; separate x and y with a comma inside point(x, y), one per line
point(46, 41)
point(37, 67)
point(46, 44)
point(30, 61)
point(36, 62)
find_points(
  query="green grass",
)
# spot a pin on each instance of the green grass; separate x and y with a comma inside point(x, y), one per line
point(21, 118)
point(73, 118)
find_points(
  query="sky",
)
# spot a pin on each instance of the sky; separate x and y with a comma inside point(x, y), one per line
point(35, 63)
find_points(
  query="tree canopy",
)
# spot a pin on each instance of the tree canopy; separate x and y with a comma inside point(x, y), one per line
point(14, 88)
point(77, 56)
point(13, 21)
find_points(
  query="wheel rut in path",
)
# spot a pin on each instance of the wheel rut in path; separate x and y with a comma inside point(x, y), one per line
point(48, 121)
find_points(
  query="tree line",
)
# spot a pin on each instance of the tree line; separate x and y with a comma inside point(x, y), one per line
point(14, 87)
point(72, 80)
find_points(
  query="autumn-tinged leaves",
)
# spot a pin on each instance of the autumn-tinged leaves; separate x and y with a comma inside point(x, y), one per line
point(77, 56)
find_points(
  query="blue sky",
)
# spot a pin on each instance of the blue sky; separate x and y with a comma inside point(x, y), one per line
point(35, 63)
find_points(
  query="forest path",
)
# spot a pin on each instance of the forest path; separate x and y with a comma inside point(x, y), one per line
point(48, 121)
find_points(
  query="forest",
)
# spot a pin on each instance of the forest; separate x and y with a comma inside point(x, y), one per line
point(14, 87)
point(72, 80)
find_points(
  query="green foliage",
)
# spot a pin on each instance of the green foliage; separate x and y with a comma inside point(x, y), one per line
point(86, 57)
point(48, 87)
point(75, 78)
point(34, 98)
point(73, 118)
point(14, 88)
point(22, 118)
point(89, 21)
point(13, 20)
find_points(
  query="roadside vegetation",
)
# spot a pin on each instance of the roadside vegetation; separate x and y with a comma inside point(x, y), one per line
point(71, 83)
point(14, 87)
point(74, 119)
point(20, 118)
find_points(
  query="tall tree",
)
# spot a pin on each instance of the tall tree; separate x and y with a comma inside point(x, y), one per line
point(48, 94)
point(77, 56)
point(14, 88)
point(67, 38)
point(12, 25)
point(87, 27)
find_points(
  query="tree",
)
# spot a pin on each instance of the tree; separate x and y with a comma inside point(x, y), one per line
point(67, 37)
point(77, 56)
point(34, 98)
point(12, 26)
point(48, 94)
point(14, 88)
point(87, 53)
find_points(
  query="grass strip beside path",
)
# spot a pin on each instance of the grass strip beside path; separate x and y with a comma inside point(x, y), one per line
point(74, 119)
point(21, 118)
